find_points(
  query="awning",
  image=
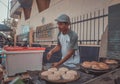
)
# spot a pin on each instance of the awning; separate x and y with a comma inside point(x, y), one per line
point(26, 3)
point(4, 28)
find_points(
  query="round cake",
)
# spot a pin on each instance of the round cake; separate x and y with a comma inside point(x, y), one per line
point(94, 62)
point(103, 65)
point(86, 64)
point(96, 66)
point(111, 61)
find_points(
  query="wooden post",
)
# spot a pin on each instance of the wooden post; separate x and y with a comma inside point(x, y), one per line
point(15, 40)
point(31, 36)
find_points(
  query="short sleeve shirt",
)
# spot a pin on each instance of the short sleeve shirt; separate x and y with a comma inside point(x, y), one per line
point(69, 41)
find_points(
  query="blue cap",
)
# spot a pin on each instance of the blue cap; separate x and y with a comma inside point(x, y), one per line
point(63, 18)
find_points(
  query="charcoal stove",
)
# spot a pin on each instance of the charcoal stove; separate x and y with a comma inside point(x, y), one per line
point(111, 77)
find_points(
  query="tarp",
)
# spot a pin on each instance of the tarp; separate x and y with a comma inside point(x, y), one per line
point(4, 28)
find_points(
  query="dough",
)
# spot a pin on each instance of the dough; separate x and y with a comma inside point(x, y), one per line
point(68, 76)
point(72, 72)
point(46, 73)
point(63, 69)
point(54, 77)
point(52, 69)
point(58, 73)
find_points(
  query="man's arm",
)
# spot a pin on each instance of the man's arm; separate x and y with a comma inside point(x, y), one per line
point(69, 54)
point(55, 49)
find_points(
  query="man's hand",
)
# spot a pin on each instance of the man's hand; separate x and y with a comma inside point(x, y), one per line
point(49, 55)
point(55, 49)
point(56, 64)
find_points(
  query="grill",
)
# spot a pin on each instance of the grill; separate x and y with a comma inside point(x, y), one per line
point(110, 77)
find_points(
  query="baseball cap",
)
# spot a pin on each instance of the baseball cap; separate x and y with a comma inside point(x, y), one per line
point(63, 18)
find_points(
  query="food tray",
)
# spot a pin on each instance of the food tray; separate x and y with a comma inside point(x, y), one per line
point(61, 80)
point(94, 71)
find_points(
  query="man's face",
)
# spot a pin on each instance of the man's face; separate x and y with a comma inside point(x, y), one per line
point(63, 27)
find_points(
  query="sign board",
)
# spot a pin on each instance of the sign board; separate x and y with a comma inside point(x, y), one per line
point(114, 32)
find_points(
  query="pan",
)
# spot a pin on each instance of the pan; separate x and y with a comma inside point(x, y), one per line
point(103, 60)
point(94, 71)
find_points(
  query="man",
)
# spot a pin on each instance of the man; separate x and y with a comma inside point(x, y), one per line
point(67, 42)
